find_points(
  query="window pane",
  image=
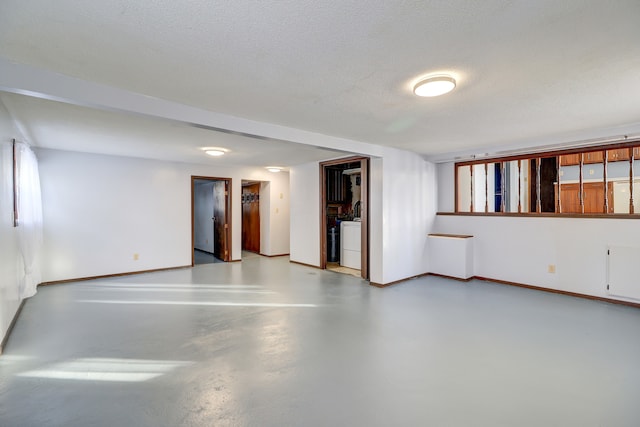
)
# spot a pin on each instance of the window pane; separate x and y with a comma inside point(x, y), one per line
point(494, 182)
point(548, 177)
point(516, 182)
point(618, 174)
point(593, 182)
point(464, 188)
point(479, 188)
point(570, 183)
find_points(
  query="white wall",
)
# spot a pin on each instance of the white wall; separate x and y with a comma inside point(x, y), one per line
point(203, 212)
point(304, 181)
point(408, 211)
point(10, 261)
point(265, 208)
point(402, 210)
point(99, 210)
point(274, 226)
point(520, 250)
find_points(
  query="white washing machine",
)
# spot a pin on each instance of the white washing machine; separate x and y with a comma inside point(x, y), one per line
point(350, 243)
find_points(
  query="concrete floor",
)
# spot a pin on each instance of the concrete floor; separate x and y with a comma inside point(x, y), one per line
point(268, 343)
point(202, 257)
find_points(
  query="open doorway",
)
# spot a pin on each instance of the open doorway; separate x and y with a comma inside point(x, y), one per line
point(210, 220)
point(344, 216)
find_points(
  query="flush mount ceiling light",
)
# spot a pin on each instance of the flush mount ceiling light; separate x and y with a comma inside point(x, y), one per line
point(274, 169)
point(215, 152)
point(434, 86)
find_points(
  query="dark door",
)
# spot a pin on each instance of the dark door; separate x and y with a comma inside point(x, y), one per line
point(220, 224)
point(251, 218)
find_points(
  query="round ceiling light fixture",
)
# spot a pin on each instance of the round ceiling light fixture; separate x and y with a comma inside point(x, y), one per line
point(215, 152)
point(274, 169)
point(434, 86)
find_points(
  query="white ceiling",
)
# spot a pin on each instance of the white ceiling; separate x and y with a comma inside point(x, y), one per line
point(68, 127)
point(529, 72)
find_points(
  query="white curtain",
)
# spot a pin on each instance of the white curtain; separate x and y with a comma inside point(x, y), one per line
point(29, 202)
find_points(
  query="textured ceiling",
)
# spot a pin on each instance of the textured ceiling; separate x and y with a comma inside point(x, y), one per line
point(529, 72)
point(68, 127)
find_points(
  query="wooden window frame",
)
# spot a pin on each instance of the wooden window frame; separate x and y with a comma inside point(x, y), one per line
point(584, 157)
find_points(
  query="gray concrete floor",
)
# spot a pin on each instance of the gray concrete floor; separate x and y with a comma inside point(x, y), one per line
point(268, 343)
point(202, 257)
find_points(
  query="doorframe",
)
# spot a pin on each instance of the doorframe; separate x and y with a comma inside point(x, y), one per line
point(364, 210)
point(227, 208)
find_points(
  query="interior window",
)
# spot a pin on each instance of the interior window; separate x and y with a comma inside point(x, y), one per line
point(598, 181)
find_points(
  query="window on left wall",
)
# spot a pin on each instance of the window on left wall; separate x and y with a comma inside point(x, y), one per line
point(15, 183)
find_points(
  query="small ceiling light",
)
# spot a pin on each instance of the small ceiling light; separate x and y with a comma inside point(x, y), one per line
point(434, 86)
point(215, 153)
point(274, 169)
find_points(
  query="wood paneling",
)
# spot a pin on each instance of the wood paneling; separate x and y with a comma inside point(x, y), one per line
point(618, 154)
point(589, 157)
point(593, 197)
point(569, 159)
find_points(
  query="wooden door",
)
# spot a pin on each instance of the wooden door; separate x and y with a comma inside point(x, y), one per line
point(251, 218)
point(220, 224)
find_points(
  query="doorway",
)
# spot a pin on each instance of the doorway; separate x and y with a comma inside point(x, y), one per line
point(344, 217)
point(210, 220)
point(251, 216)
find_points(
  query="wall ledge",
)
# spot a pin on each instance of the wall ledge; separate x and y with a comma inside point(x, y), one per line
point(541, 215)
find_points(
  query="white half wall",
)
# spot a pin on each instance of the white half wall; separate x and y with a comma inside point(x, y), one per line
point(521, 249)
point(10, 259)
point(101, 210)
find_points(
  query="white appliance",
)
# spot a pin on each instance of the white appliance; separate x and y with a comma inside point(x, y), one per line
point(350, 242)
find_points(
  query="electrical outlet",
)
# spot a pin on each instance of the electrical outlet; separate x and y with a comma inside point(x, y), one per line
point(552, 268)
point(277, 210)
point(281, 195)
point(136, 257)
point(591, 171)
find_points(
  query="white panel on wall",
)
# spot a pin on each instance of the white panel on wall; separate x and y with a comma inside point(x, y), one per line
point(623, 271)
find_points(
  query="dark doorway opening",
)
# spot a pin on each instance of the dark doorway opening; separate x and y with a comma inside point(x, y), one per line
point(210, 219)
point(344, 217)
